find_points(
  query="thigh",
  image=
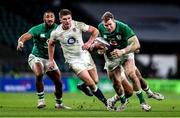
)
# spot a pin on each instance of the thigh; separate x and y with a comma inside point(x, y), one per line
point(46, 67)
point(54, 74)
point(84, 76)
point(129, 63)
point(36, 64)
point(111, 65)
point(88, 61)
point(127, 85)
point(77, 66)
point(115, 75)
point(129, 66)
point(84, 62)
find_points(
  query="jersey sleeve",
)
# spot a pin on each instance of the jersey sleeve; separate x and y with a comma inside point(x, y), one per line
point(34, 31)
point(100, 28)
point(82, 26)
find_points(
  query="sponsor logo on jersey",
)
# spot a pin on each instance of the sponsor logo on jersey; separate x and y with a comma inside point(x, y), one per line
point(118, 37)
point(105, 36)
point(71, 40)
point(42, 36)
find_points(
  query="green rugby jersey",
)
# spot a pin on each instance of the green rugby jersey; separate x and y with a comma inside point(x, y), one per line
point(40, 35)
point(118, 38)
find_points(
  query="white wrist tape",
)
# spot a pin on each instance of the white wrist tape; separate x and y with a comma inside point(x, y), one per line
point(20, 43)
point(123, 51)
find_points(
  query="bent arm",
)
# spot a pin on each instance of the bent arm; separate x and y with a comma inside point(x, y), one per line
point(94, 33)
point(133, 45)
point(25, 37)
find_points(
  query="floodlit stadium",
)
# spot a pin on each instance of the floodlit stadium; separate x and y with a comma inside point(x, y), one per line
point(156, 25)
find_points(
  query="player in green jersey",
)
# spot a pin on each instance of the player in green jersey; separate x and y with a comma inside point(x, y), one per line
point(123, 43)
point(38, 59)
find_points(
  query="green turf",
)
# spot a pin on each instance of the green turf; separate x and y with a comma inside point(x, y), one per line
point(24, 104)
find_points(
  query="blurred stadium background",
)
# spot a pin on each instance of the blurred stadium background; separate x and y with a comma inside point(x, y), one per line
point(156, 23)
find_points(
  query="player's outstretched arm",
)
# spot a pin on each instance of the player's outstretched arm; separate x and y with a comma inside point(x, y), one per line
point(22, 40)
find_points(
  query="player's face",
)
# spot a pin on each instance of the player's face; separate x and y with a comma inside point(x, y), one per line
point(49, 18)
point(66, 21)
point(110, 25)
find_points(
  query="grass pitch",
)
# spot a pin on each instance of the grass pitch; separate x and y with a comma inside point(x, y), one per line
point(24, 105)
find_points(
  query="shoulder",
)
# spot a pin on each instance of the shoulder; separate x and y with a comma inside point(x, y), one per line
point(78, 23)
point(120, 23)
point(36, 29)
point(124, 28)
point(39, 26)
point(57, 29)
point(55, 26)
point(100, 25)
point(42, 25)
point(81, 25)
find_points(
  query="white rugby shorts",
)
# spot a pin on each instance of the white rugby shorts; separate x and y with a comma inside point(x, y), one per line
point(44, 62)
point(111, 64)
point(83, 62)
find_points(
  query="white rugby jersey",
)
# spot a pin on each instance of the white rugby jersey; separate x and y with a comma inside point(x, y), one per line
point(71, 40)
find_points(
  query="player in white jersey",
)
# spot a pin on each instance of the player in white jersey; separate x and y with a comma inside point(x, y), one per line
point(69, 34)
point(71, 41)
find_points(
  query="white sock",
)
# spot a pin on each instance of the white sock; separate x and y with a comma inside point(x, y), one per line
point(138, 92)
point(148, 91)
point(115, 97)
point(40, 95)
point(95, 89)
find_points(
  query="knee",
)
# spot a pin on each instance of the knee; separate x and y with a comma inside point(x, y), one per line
point(128, 92)
point(132, 75)
point(89, 83)
point(39, 76)
point(56, 79)
point(128, 89)
point(118, 87)
point(96, 81)
point(58, 83)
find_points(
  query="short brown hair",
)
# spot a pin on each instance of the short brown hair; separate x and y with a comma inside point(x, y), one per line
point(107, 15)
point(64, 12)
point(48, 11)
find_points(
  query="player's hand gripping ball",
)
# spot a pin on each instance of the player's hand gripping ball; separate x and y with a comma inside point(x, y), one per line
point(99, 45)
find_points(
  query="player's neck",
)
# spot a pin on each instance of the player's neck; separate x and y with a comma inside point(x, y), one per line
point(66, 27)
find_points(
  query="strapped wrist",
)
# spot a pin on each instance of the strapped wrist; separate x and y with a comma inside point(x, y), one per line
point(20, 43)
point(123, 51)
